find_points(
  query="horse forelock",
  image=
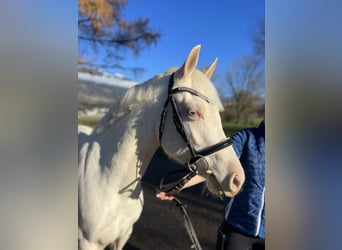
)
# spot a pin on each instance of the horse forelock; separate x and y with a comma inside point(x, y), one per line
point(205, 86)
point(202, 84)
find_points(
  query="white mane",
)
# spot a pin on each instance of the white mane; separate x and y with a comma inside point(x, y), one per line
point(135, 97)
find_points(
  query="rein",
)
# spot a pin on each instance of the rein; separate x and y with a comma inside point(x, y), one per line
point(188, 225)
point(187, 222)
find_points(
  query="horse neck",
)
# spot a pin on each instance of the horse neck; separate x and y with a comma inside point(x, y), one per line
point(130, 143)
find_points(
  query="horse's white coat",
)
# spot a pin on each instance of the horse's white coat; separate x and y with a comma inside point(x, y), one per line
point(114, 157)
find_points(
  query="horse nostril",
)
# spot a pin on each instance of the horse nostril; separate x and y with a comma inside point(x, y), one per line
point(236, 182)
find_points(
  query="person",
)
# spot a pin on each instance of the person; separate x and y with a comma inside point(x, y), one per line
point(243, 226)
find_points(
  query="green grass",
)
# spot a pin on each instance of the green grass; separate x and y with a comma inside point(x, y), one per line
point(88, 120)
point(231, 128)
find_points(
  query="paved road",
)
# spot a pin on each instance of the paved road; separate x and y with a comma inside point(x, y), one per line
point(161, 227)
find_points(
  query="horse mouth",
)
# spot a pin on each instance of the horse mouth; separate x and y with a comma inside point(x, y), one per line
point(218, 189)
point(215, 188)
point(220, 193)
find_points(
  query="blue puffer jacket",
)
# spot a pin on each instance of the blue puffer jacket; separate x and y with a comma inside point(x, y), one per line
point(246, 211)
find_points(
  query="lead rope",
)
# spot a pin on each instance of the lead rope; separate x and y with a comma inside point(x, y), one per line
point(188, 225)
point(187, 222)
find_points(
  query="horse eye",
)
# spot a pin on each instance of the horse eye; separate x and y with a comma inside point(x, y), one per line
point(193, 114)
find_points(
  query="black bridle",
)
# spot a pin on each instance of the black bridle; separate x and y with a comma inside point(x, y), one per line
point(197, 163)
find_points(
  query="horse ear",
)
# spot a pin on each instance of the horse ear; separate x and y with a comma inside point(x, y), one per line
point(209, 71)
point(189, 65)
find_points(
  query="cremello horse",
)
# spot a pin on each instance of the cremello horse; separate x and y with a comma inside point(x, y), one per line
point(114, 156)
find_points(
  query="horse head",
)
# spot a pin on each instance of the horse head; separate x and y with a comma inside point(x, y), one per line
point(191, 130)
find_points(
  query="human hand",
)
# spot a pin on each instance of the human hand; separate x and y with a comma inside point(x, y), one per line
point(167, 191)
point(164, 196)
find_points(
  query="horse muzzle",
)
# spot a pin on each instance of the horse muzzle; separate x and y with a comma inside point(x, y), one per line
point(200, 166)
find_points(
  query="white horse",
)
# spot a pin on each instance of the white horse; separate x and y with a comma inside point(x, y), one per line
point(114, 156)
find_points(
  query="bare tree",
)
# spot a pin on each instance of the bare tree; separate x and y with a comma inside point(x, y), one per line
point(258, 37)
point(102, 31)
point(244, 80)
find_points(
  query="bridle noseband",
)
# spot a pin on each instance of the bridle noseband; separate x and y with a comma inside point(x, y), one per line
point(197, 164)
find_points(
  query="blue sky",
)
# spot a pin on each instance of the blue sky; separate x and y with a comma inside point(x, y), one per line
point(222, 27)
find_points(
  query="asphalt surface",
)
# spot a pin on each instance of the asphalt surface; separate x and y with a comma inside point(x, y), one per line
point(161, 225)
